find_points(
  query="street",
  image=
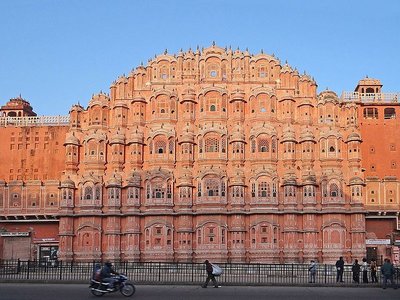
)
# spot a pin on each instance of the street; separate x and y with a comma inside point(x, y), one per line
point(29, 291)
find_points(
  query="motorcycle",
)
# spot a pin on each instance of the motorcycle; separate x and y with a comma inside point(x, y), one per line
point(121, 284)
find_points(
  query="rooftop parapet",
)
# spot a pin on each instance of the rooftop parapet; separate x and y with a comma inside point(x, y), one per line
point(370, 97)
point(34, 121)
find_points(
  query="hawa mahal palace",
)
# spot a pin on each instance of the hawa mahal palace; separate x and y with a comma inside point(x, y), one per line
point(209, 154)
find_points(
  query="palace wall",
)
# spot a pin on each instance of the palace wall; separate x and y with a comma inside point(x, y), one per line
point(380, 129)
point(32, 152)
point(215, 154)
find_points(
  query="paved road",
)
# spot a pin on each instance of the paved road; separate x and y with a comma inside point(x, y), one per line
point(29, 291)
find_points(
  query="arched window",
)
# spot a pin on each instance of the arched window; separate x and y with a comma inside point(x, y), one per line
point(264, 189)
point(160, 146)
point(158, 191)
point(98, 192)
point(273, 145)
point(334, 190)
point(370, 113)
point(212, 145)
point(88, 193)
point(253, 145)
point(131, 193)
point(223, 145)
point(212, 186)
point(332, 149)
point(164, 72)
point(148, 189)
point(262, 72)
point(212, 108)
point(390, 113)
point(169, 190)
point(263, 145)
point(171, 146)
point(111, 193)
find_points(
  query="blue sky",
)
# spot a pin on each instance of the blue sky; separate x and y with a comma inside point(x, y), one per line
point(56, 53)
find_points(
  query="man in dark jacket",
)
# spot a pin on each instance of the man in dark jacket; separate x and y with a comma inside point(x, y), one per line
point(210, 275)
point(339, 269)
point(388, 271)
point(355, 268)
point(107, 273)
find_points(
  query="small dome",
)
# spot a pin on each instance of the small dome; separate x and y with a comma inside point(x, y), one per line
point(306, 102)
point(122, 79)
point(117, 138)
point(238, 95)
point(188, 95)
point(186, 179)
point(237, 54)
point(286, 69)
point(136, 137)
point(353, 137)
point(309, 180)
point(306, 135)
point(288, 135)
point(120, 103)
point(138, 98)
point(68, 183)
point(134, 179)
point(114, 181)
point(237, 179)
point(71, 140)
point(306, 77)
point(77, 108)
point(327, 96)
point(356, 181)
point(237, 136)
point(289, 179)
point(98, 136)
point(187, 137)
point(264, 56)
point(100, 99)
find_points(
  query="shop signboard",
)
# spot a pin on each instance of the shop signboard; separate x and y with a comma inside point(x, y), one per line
point(377, 241)
point(14, 234)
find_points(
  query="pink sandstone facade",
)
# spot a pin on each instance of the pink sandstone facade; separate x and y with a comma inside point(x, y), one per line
point(215, 154)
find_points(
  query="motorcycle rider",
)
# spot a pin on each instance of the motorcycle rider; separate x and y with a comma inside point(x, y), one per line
point(107, 273)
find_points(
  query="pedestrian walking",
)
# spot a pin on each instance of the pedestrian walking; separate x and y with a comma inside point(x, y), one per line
point(364, 268)
point(312, 270)
point(373, 270)
point(339, 269)
point(356, 271)
point(388, 271)
point(210, 275)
